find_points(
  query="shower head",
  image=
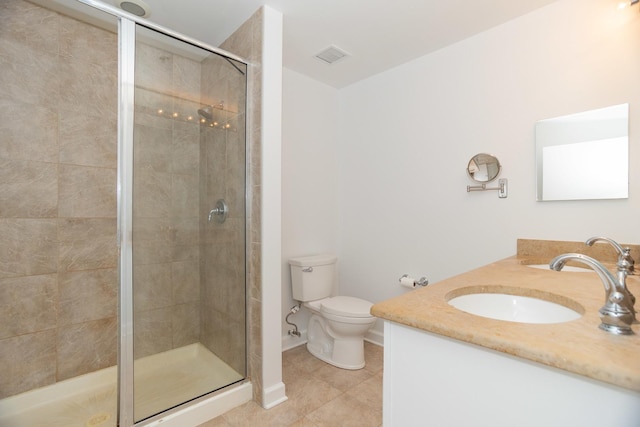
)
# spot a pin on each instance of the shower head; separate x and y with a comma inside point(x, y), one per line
point(206, 112)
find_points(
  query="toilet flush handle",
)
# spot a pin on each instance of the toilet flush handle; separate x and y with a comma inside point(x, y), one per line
point(307, 270)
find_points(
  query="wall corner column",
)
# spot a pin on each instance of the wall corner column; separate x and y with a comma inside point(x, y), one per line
point(273, 391)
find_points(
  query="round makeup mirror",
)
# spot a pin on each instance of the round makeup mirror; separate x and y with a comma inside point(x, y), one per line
point(483, 168)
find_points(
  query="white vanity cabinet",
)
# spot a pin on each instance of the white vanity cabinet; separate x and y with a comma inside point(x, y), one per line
point(432, 380)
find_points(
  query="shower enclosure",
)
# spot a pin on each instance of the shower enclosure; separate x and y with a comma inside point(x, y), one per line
point(122, 217)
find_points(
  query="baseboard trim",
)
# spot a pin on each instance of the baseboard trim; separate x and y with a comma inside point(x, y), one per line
point(273, 395)
point(291, 341)
point(375, 337)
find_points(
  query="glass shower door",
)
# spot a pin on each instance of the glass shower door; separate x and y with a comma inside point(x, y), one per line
point(189, 311)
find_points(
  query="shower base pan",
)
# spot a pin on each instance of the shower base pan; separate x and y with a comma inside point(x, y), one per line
point(162, 381)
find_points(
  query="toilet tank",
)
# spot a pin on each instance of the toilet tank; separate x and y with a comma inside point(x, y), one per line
point(313, 277)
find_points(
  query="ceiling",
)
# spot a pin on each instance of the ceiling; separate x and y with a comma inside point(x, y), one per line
point(378, 34)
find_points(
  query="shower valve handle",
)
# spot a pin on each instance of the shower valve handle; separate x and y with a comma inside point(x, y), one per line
point(220, 211)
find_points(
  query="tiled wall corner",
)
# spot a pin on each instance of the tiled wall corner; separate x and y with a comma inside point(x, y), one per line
point(247, 43)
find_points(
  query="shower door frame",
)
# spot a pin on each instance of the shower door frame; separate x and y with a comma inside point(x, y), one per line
point(126, 87)
point(126, 91)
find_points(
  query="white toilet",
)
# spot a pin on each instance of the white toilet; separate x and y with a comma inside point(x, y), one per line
point(337, 325)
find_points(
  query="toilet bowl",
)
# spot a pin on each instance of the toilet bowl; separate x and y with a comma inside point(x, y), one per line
point(337, 324)
point(336, 335)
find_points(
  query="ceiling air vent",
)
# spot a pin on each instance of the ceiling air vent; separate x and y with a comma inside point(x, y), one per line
point(331, 55)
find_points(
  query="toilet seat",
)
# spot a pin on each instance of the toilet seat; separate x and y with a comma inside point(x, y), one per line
point(346, 307)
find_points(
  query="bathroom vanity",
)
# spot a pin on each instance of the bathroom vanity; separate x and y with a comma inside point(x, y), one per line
point(446, 367)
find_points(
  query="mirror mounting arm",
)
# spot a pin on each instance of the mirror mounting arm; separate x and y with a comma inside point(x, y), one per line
point(502, 188)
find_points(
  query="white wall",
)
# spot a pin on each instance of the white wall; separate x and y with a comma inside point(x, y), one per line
point(309, 179)
point(405, 136)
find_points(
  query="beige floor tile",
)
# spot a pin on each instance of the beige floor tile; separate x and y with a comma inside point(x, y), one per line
point(301, 359)
point(216, 422)
point(319, 395)
point(346, 411)
point(304, 422)
point(374, 357)
point(369, 392)
point(294, 355)
point(342, 379)
point(251, 414)
point(308, 394)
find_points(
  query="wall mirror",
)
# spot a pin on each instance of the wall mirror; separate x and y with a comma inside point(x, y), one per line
point(483, 168)
point(584, 156)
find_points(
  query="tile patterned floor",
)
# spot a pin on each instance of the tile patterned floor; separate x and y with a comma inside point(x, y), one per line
point(320, 395)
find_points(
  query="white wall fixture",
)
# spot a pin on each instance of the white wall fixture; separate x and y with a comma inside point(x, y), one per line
point(484, 168)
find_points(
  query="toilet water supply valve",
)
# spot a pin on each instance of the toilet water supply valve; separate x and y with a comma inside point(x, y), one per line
point(294, 310)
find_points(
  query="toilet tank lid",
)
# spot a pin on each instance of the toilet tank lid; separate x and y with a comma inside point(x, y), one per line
point(313, 260)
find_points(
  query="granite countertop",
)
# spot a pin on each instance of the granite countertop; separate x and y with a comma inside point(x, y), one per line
point(578, 346)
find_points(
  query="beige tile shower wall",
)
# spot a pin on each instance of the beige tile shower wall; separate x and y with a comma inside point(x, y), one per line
point(166, 249)
point(247, 43)
point(58, 255)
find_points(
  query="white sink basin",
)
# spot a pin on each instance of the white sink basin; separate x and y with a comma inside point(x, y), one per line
point(513, 308)
point(569, 268)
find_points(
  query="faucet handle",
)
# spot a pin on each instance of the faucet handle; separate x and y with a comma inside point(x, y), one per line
point(625, 261)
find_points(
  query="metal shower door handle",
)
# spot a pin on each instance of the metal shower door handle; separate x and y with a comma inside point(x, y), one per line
point(220, 211)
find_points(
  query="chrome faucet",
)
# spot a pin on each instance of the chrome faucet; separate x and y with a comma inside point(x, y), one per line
point(617, 313)
point(625, 264)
